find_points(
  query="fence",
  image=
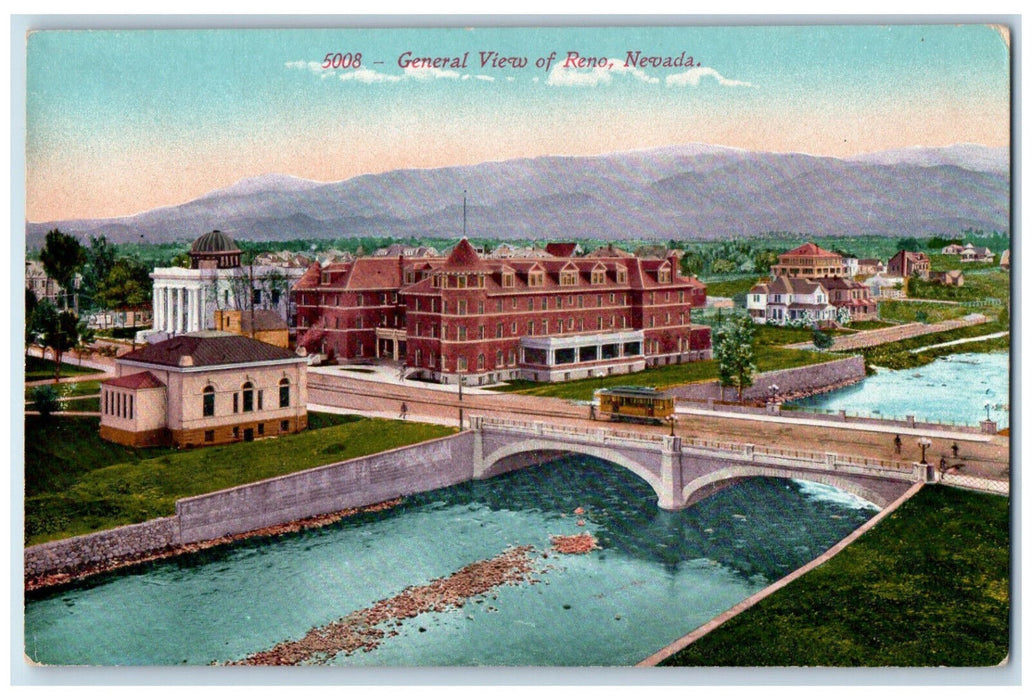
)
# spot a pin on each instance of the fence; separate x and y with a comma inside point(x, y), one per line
point(976, 483)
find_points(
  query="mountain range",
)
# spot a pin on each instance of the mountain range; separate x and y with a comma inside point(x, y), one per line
point(692, 191)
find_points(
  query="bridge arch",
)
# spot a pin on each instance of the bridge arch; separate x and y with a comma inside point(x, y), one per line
point(493, 464)
point(710, 483)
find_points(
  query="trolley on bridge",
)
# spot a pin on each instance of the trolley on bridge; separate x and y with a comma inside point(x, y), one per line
point(635, 403)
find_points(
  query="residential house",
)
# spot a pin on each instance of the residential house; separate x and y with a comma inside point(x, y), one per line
point(885, 287)
point(852, 296)
point(790, 299)
point(953, 278)
point(808, 260)
point(908, 264)
point(973, 253)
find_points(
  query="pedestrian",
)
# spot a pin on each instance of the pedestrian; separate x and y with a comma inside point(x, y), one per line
point(591, 412)
point(899, 444)
point(404, 410)
point(955, 448)
point(942, 465)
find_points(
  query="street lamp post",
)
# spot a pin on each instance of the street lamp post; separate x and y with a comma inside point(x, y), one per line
point(987, 405)
point(925, 443)
point(461, 382)
point(673, 421)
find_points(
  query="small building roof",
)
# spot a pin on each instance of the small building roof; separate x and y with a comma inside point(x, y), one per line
point(810, 249)
point(140, 380)
point(208, 348)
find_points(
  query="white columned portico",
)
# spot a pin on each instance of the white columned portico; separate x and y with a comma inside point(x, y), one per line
point(169, 311)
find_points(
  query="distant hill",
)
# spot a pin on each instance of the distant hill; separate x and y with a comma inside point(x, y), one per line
point(694, 191)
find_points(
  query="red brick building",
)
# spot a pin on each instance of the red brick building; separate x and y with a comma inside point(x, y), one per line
point(907, 264)
point(542, 318)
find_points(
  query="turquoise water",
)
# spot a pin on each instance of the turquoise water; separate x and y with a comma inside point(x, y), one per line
point(657, 576)
point(951, 389)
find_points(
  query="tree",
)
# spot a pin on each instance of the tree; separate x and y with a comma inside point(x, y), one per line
point(62, 256)
point(43, 316)
point(44, 400)
point(822, 340)
point(733, 351)
point(910, 244)
point(100, 258)
point(61, 335)
point(127, 286)
point(84, 337)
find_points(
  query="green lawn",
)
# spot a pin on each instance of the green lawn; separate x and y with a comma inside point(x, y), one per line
point(926, 587)
point(90, 404)
point(728, 288)
point(907, 311)
point(37, 369)
point(83, 388)
point(77, 483)
point(991, 287)
point(768, 358)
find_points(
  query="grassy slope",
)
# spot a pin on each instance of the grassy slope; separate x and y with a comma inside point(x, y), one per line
point(926, 587)
point(77, 483)
point(37, 369)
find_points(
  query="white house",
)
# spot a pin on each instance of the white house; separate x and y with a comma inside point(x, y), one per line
point(790, 300)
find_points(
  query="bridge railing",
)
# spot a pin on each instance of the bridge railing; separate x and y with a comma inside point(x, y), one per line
point(539, 428)
point(751, 452)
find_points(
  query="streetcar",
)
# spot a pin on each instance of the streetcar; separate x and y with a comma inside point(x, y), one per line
point(635, 403)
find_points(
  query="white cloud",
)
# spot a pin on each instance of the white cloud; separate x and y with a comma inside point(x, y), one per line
point(592, 77)
point(313, 66)
point(369, 77)
point(425, 74)
point(488, 78)
point(693, 76)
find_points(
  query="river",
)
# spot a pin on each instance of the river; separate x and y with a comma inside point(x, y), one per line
point(951, 389)
point(656, 576)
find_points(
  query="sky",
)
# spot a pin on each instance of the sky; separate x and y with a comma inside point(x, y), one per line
point(119, 122)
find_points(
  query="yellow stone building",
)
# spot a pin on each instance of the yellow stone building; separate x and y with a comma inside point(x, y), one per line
point(204, 388)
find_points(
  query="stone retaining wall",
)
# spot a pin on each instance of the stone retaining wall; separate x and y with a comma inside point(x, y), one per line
point(357, 482)
point(121, 542)
point(798, 380)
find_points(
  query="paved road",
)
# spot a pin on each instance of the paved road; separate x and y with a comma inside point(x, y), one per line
point(980, 454)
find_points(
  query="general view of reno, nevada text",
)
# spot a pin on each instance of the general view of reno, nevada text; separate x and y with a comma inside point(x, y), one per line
point(567, 346)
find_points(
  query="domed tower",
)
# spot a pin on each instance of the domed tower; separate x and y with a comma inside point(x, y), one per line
point(214, 250)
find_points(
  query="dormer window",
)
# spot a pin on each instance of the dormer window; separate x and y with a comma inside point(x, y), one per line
point(508, 279)
point(598, 276)
point(567, 278)
point(621, 276)
point(325, 277)
point(664, 275)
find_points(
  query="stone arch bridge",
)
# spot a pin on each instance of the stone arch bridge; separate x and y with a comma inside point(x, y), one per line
point(683, 470)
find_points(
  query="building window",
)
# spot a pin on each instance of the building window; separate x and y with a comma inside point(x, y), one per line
point(256, 296)
point(480, 361)
point(260, 397)
point(236, 402)
point(500, 330)
point(209, 401)
point(284, 426)
point(236, 432)
point(209, 436)
point(460, 363)
point(499, 358)
point(284, 393)
point(261, 428)
point(248, 397)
